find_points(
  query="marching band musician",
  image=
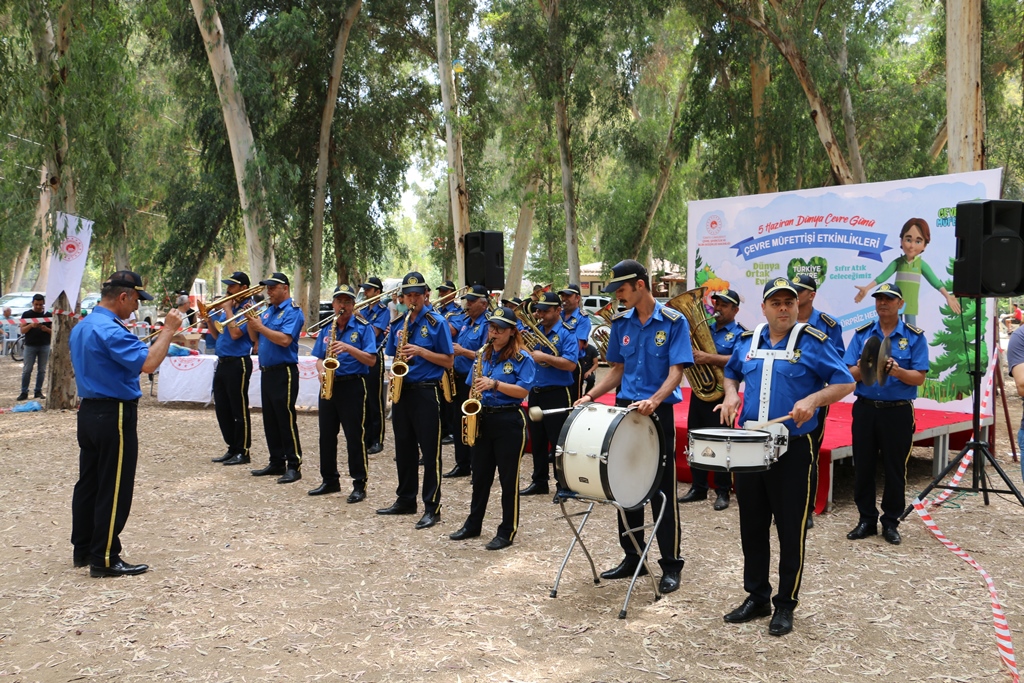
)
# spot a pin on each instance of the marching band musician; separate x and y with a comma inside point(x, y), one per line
point(551, 388)
point(648, 348)
point(577, 321)
point(883, 415)
point(506, 374)
point(107, 359)
point(354, 346)
point(232, 375)
point(277, 332)
point(416, 417)
point(379, 317)
point(789, 365)
point(726, 332)
point(471, 336)
point(455, 316)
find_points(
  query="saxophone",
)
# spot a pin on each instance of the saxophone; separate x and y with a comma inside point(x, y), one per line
point(400, 368)
point(471, 406)
point(707, 381)
point(330, 363)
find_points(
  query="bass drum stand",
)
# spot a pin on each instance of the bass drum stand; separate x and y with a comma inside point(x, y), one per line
point(577, 532)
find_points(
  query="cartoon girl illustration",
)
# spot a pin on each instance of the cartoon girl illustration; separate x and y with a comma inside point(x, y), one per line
point(909, 269)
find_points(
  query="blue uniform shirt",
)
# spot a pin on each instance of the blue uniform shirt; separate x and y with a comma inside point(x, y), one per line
point(359, 333)
point(449, 308)
point(429, 330)
point(379, 317)
point(579, 323)
point(472, 335)
point(226, 346)
point(287, 318)
point(107, 357)
point(647, 350)
point(568, 347)
point(909, 349)
point(818, 364)
point(519, 369)
point(832, 329)
point(726, 336)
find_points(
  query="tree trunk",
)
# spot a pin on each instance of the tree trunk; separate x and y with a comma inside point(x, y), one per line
point(458, 196)
point(323, 149)
point(20, 263)
point(61, 390)
point(849, 126)
point(240, 138)
point(939, 142)
point(568, 191)
point(965, 114)
point(760, 78)
point(524, 232)
point(121, 260)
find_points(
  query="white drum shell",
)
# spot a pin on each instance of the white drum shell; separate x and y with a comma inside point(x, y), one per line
point(731, 450)
point(610, 453)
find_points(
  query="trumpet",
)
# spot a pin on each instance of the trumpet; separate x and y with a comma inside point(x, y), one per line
point(249, 312)
point(321, 324)
point(206, 309)
point(449, 297)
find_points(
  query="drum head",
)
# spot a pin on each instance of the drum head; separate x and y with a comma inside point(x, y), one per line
point(725, 434)
point(634, 457)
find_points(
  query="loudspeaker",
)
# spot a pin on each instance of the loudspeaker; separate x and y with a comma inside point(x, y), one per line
point(485, 259)
point(989, 249)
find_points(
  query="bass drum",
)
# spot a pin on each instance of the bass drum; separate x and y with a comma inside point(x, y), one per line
point(610, 453)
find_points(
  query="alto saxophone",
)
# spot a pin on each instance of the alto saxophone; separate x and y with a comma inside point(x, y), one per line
point(471, 406)
point(707, 381)
point(330, 363)
point(399, 368)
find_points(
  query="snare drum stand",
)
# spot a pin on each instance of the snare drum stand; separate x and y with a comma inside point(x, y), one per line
point(577, 538)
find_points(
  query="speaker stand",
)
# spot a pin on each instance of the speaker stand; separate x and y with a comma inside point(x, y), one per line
point(982, 454)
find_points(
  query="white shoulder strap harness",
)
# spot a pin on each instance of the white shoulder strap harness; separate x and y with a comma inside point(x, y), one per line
point(769, 356)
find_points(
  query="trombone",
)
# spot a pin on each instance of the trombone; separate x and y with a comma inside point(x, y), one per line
point(449, 297)
point(321, 324)
point(249, 312)
point(206, 309)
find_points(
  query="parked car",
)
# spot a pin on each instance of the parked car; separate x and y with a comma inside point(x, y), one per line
point(592, 304)
point(89, 302)
point(18, 301)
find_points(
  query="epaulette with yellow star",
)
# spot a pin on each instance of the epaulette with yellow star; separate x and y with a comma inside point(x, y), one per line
point(815, 332)
point(620, 314)
point(829, 320)
point(362, 319)
point(746, 333)
point(865, 326)
point(915, 330)
point(671, 313)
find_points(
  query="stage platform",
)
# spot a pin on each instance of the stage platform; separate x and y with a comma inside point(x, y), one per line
point(944, 431)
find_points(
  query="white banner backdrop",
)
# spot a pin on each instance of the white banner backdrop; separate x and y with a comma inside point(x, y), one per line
point(190, 378)
point(67, 264)
point(846, 237)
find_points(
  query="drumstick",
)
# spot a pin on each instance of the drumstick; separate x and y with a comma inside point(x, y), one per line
point(762, 425)
point(536, 414)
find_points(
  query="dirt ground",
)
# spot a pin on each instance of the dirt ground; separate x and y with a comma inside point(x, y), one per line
point(255, 581)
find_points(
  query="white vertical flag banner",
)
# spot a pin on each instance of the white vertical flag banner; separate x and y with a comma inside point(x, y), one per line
point(67, 264)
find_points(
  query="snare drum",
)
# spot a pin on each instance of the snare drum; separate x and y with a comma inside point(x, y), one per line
point(732, 450)
point(610, 453)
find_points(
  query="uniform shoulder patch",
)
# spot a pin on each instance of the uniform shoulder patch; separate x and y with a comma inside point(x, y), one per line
point(915, 330)
point(361, 319)
point(619, 314)
point(747, 333)
point(671, 313)
point(815, 332)
point(865, 326)
point(432, 318)
point(570, 324)
point(295, 304)
point(829, 320)
point(519, 356)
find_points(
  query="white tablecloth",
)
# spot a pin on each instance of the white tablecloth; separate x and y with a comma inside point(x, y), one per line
point(190, 378)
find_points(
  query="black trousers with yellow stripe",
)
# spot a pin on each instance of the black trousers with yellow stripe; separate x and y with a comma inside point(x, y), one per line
point(279, 388)
point(345, 410)
point(500, 442)
point(544, 434)
point(231, 400)
point(882, 432)
point(109, 452)
point(375, 402)
point(416, 422)
point(782, 492)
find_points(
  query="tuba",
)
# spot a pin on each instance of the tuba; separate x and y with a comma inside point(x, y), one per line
point(531, 334)
point(330, 362)
point(707, 381)
point(400, 368)
point(471, 406)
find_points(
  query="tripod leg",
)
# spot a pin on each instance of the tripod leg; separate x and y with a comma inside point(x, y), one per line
point(950, 466)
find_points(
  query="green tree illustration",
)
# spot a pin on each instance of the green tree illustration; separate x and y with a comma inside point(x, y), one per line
point(948, 376)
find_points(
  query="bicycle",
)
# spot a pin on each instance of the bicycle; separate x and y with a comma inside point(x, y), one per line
point(18, 349)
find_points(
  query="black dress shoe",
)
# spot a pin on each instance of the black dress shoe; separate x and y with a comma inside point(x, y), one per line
point(238, 459)
point(333, 487)
point(374, 449)
point(398, 508)
point(357, 495)
point(81, 561)
point(669, 582)
point(782, 622)
point(464, 533)
point(428, 520)
point(498, 542)
point(23, 396)
point(810, 521)
point(625, 569)
point(119, 568)
point(277, 470)
point(290, 476)
point(535, 489)
point(862, 530)
point(223, 458)
point(456, 471)
point(447, 440)
point(38, 394)
point(747, 611)
point(722, 501)
point(693, 494)
point(890, 534)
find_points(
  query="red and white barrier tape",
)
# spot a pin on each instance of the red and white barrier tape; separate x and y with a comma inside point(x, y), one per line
point(1004, 642)
point(965, 462)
